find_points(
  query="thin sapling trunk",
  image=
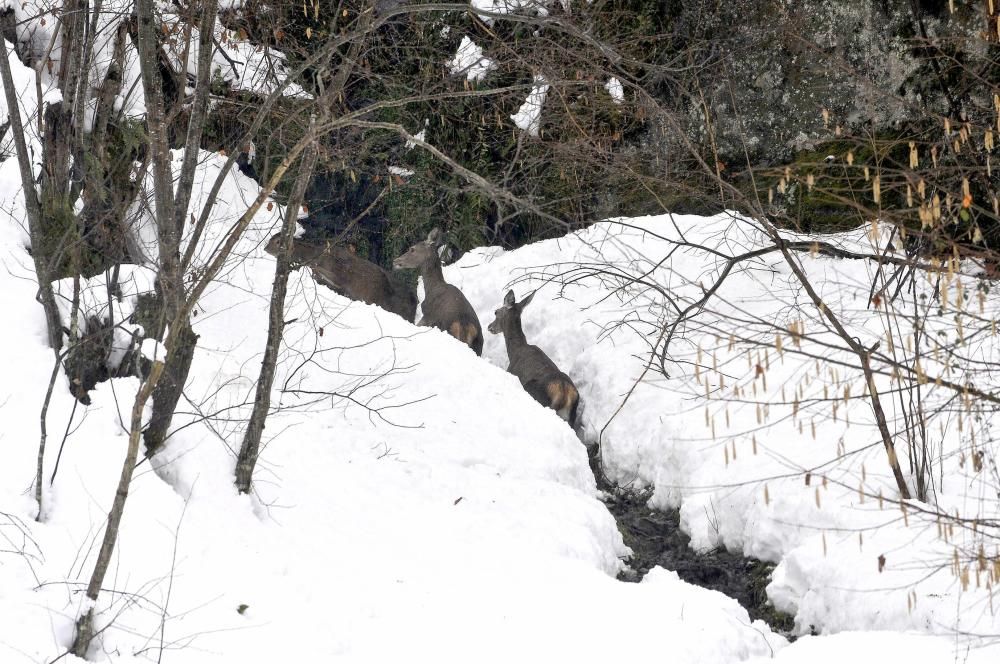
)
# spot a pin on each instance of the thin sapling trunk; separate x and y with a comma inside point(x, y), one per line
point(247, 458)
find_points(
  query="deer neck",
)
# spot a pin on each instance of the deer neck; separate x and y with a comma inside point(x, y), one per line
point(431, 272)
point(513, 335)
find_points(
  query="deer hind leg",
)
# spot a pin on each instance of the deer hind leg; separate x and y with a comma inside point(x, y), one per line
point(477, 340)
point(573, 400)
point(472, 337)
point(556, 390)
point(563, 398)
point(466, 333)
point(469, 334)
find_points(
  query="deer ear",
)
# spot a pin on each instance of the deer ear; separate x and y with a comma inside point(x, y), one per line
point(509, 298)
point(526, 300)
point(434, 237)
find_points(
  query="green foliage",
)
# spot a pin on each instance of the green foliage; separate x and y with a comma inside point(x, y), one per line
point(570, 172)
point(758, 578)
point(820, 191)
point(59, 236)
point(832, 187)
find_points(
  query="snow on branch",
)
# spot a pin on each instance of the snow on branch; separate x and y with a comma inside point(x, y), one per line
point(529, 116)
point(469, 60)
point(237, 61)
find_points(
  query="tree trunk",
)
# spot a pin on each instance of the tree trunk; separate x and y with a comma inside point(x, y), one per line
point(170, 388)
point(247, 458)
point(171, 208)
point(85, 624)
point(31, 203)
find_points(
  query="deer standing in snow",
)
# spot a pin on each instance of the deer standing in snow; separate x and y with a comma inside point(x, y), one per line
point(347, 274)
point(539, 375)
point(444, 306)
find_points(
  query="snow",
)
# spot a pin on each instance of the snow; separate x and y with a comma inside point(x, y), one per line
point(436, 502)
point(27, 98)
point(449, 511)
point(400, 171)
point(38, 31)
point(876, 647)
point(413, 502)
point(470, 61)
point(742, 485)
point(153, 350)
point(239, 62)
point(614, 88)
point(419, 136)
point(501, 7)
point(529, 116)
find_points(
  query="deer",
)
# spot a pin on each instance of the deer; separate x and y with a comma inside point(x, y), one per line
point(444, 305)
point(347, 274)
point(539, 376)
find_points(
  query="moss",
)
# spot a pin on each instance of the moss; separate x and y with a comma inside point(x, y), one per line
point(820, 191)
point(147, 313)
point(758, 577)
point(830, 188)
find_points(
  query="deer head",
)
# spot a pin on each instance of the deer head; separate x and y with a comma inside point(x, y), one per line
point(421, 252)
point(509, 313)
point(273, 245)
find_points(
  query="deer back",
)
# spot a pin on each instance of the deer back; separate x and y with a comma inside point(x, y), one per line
point(543, 380)
point(537, 373)
point(445, 306)
point(346, 273)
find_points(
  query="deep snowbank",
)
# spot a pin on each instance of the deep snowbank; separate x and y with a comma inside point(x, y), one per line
point(737, 469)
point(413, 501)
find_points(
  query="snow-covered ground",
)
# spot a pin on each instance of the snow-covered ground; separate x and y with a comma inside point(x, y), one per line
point(742, 437)
point(413, 502)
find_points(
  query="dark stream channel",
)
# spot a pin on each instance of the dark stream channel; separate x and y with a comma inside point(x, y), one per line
point(655, 538)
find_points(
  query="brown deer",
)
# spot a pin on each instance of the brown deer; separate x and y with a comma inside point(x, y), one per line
point(347, 274)
point(539, 375)
point(444, 306)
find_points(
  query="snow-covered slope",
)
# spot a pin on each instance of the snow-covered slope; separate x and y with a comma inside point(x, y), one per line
point(730, 436)
point(413, 502)
point(429, 509)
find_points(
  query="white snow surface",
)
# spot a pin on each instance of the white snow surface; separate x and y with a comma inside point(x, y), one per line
point(457, 520)
point(538, 7)
point(877, 647)
point(470, 61)
point(241, 63)
point(737, 474)
point(400, 171)
point(38, 32)
point(615, 89)
point(27, 98)
point(529, 116)
point(412, 501)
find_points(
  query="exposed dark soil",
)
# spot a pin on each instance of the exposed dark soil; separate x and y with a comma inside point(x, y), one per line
point(655, 538)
